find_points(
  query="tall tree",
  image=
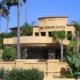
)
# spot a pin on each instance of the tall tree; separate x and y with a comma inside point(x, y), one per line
point(73, 44)
point(77, 27)
point(9, 4)
point(25, 1)
point(18, 32)
point(0, 18)
point(2, 36)
point(3, 12)
point(61, 36)
point(54, 34)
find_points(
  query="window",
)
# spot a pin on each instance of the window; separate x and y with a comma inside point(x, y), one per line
point(52, 27)
point(43, 33)
point(69, 35)
point(41, 28)
point(49, 33)
point(36, 34)
point(47, 27)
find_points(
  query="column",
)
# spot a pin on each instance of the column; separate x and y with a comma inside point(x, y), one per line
point(47, 34)
point(39, 33)
point(21, 52)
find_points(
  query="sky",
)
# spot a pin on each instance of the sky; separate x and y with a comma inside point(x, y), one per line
point(43, 8)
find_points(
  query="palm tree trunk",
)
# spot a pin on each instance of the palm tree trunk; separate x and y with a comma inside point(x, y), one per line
point(0, 18)
point(61, 51)
point(8, 18)
point(7, 25)
point(77, 42)
point(18, 32)
point(0, 22)
point(26, 11)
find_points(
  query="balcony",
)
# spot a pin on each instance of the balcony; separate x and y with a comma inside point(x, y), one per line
point(32, 40)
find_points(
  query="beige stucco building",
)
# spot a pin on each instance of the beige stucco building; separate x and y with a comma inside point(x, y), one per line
point(41, 45)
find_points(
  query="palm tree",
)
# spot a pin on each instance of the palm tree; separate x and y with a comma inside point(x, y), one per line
point(25, 1)
point(77, 27)
point(61, 36)
point(73, 44)
point(9, 4)
point(7, 25)
point(54, 34)
point(6, 4)
point(2, 36)
point(0, 18)
point(18, 32)
point(3, 12)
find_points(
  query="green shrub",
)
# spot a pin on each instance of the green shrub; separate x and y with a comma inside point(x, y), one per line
point(9, 54)
point(34, 74)
point(20, 74)
point(73, 61)
point(2, 73)
point(69, 73)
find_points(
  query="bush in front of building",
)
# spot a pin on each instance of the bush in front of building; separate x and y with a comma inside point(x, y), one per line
point(9, 54)
point(73, 61)
point(20, 74)
point(2, 73)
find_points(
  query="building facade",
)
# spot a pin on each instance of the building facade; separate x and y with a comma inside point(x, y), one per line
point(41, 45)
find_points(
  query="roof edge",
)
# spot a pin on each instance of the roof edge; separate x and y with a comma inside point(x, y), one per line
point(52, 17)
point(70, 24)
point(20, 27)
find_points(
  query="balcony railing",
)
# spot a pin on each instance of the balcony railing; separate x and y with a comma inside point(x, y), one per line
point(33, 39)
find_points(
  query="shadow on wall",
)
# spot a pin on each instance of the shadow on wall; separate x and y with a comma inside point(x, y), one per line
point(42, 60)
point(63, 71)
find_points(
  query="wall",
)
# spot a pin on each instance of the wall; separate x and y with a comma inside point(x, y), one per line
point(59, 79)
point(49, 67)
point(7, 65)
point(51, 24)
point(35, 29)
point(52, 21)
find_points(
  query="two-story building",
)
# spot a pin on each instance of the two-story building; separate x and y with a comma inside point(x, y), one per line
point(41, 45)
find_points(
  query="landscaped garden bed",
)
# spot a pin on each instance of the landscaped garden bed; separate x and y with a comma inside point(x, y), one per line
point(21, 74)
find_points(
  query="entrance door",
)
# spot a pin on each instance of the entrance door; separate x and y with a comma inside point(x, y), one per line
point(57, 55)
point(37, 53)
point(45, 54)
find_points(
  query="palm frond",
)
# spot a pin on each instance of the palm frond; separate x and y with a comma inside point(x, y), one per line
point(5, 12)
point(61, 35)
point(54, 35)
point(76, 25)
